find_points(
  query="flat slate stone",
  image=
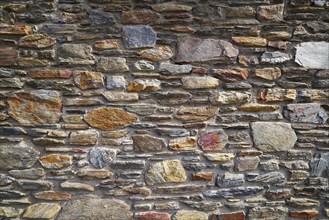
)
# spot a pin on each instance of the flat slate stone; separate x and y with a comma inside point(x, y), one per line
point(306, 113)
point(93, 207)
point(191, 49)
point(313, 55)
point(139, 36)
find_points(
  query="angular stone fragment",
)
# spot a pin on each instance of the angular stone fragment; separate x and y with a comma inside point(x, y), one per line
point(35, 107)
point(168, 171)
point(144, 85)
point(15, 30)
point(89, 80)
point(302, 202)
point(15, 83)
point(6, 180)
point(91, 174)
point(246, 163)
point(173, 97)
point(190, 215)
point(157, 54)
point(229, 180)
point(183, 144)
point(258, 107)
point(116, 82)
point(306, 113)
point(48, 141)
point(271, 213)
point(232, 75)
point(144, 65)
point(191, 49)
point(139, 17)
point(35, 185)
point(106, 44)
point(232, 215)
point(112, 65)
point(121, 96)
point(270, 178)
point(151, 215)
point(196, 82)
point(77, 186)
point(52, 196)
point(275, 57)
point(56, 161)
point(273, 13)
point(171, 7)
point(147, 143)
point(109, 118)
point(234, 192)
point(203, 176)
point(305, 214)
point(50, 74)
point(32, 62)
point(90, 206)
point(33, 173)
point(196, 114)
point(17, 156)
point(42, 211)
point(139, 36)
point(313, 55)
point(100, 157)
point(268, 73)
point(8, 57)
point(220, 157)
point(228, 98)
point(273, 136)
point(172, 69)
point(37, 41)
point(10, 212)
point(82, 102)
point(277, 95)
point(250, 41)
point(76, 54)
point(212, 140)
point(89, 137)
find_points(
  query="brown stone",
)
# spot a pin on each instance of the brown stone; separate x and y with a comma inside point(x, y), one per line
point(8, 57)
point(151, 215)
point(272, 13)
point(268, 73)
point(139, 17)
point(203, 176)
point(109, 118)
point(89, 80)
point(250, 41)
point(106, 44)
point(42, 211)
point(50, 74)
point(232, 216)
point(35, 107)
point(15, 30)
point(253, 107)
point(246, 163)
point(144, 85)
point(232, 75)
point(196, 114)
point(277, 95)
point(213, 140)
point(84, 138)
point(56, 161)
point(191, 49)
point(94, 174)
point(278, 194)
point(77, 186)
point(183, 144)
point(147, 143)
point(306, 214)
point(157, 54)
point(52, 196)
point(37, 41)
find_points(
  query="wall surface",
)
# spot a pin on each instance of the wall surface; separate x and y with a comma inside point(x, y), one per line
point(154, 110)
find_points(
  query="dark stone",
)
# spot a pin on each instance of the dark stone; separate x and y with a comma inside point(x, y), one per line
point(147, 143)
point(319, 164)
point(173, 132)
point(270, 178)
point(139, 36)
point(129, 164)
point(11, 131)
point(306, 113)
point(229, 180)
point(101, 18)
point(235, 192)
point(12, 194)
point(173, 97)
point(7, 73)
point(321, 84)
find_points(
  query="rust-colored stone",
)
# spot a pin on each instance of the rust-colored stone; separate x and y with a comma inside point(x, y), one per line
point(306, 214)
point(52, 195)
point(50, 74)
point(16, 30)
point(203, 176)
point(152, 216)
point(8, 57)
point(56, 161)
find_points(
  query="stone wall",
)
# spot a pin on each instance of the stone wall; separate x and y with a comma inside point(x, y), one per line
point(154, 110)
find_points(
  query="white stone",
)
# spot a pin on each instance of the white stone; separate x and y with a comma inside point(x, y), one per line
point(314, 55)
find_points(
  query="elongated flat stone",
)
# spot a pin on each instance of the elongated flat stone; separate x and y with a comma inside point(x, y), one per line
point(56, 161)
point(42, 211)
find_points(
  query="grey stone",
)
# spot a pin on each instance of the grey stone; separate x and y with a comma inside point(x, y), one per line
point(75, 54)
point(273, 136)
point(7, 73)
point(93, 207)
point(144, 65)
point(35, 185)
point(173, 97)
point(17, 155)
point(128, 164)
point(320, 84)
point(191, 49)
point(235, 192)
point(139, 36)
point(204, 205)
point(147, 143)
point(275, 57)
point(302, 202)
point(33, 173)
point(320, 3)
point(270, 178)
point(12, 131)
point(229, 97)
point(306, 113)
point(230, 179)
point(6, 180)
point(112, 65)
point(101, 157)
point(117, 96)
point(247, 163)
point(172, 132)
point(141, 109)
point(101, 18)
point(313, 55)
point(116, 82)
point(173, 69)
point(319, 164)
point(89, 137)
point(270, 213)
point(14, 83)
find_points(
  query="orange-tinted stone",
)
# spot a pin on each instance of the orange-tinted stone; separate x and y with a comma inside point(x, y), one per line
point(16, 30)
point(306, 214)
point(106, 44)
point(52, 195)
point(37, 41)
point(56, 161)
point(50, 74)
point(202, 176)
point(152, 216)
point(232, 216)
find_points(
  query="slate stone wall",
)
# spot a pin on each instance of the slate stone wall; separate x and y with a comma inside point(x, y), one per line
point(159, 110)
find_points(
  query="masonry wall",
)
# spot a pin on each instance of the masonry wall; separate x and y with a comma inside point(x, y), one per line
point(159, 110)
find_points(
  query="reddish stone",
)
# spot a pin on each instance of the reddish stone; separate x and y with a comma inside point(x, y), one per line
point(16, 30)
point(306, 214)
point(232, 75)
point(202, 176)
point(232, 216)
point(50, 74)
point(8, 57)
point(152, 216)
point(139, 17)
point(215, 140)
point(199, 70)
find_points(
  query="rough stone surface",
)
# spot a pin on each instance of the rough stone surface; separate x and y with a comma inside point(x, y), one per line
point(273, 136)
point(37, 41)
point(75, 54)
point(89, 80)
point(112, 65)
point(306, 113)
point(213, 140)
point(191, 49)
point(35, 107)
point(42, 211)
point(157, 54)
point(196, 114)
point(190, 215)
point(268, 213)
point(86, 207)
point(227, 98)
point(147, 143)
point(56, 161)
point(89, 137)
point(313, 55)
point(139, 36)
point(195, 82)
